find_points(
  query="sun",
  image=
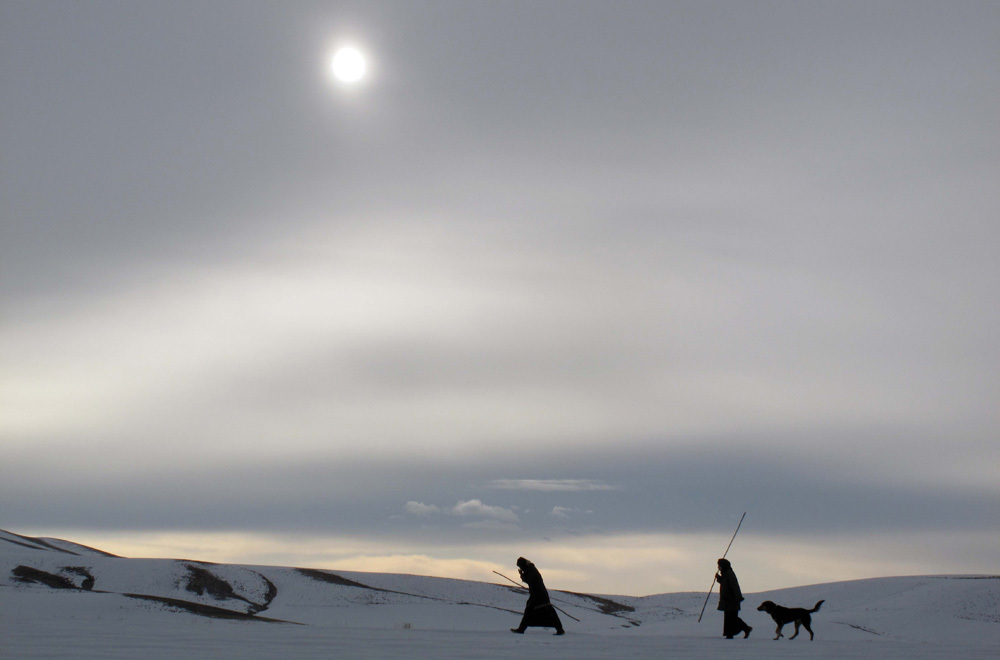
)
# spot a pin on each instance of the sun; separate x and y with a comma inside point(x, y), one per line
point(348, 65)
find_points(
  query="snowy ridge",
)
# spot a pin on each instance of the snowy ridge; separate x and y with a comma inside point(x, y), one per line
point(58, 597)
point(57, 545)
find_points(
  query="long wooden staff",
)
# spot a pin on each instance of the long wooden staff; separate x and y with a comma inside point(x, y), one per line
point(522, 586)
point(714, 577)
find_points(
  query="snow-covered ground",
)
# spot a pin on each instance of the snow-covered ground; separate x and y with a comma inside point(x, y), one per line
point(60, 599)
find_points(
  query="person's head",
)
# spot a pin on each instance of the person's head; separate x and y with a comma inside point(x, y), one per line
point(522, 562)
point(724, 564)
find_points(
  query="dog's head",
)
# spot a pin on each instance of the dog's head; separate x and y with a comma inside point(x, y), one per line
point(766, 606)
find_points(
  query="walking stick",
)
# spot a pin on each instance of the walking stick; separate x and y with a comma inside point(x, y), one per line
point(714, 577)
point(522, 586)
point(509, 580)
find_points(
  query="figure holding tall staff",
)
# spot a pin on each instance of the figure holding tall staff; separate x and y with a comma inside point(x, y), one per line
point(730, 598)
point(539, 610)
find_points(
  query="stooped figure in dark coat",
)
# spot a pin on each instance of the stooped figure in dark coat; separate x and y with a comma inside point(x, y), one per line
point(539, 611)
point(730, 598)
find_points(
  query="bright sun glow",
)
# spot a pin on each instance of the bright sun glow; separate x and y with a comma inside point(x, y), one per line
point(348, 65)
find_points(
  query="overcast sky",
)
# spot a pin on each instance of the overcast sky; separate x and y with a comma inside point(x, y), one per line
point(584, 280)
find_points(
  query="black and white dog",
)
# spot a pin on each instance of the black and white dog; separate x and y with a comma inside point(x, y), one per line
point(800, 616)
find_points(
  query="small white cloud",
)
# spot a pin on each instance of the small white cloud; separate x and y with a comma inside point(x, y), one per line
point(551, 485)
point(421, 509)
point(477, 508)
point(566, 512)
point(492, 526)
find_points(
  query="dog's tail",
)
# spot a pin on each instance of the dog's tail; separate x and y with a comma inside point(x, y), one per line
point(816, 609)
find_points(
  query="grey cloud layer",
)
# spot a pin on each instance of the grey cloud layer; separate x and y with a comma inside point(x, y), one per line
point(563, 266)
point(642, 490)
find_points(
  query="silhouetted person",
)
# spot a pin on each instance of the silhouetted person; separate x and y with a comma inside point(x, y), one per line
point(730, 598)
point(539, 611)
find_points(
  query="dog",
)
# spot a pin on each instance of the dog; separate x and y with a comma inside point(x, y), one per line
point(797, 615)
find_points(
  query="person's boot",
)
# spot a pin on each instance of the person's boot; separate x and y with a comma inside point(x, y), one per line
point(746, 631)
point(519, 631)
point(560, 631)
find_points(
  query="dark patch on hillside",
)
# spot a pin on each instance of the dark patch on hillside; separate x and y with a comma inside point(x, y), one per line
point(30, 575)
point(609, 607)
point(333, 578)
point(201, 581)
point(606, 605)
point(272, 591)
point(206, 610)
point(88, 578)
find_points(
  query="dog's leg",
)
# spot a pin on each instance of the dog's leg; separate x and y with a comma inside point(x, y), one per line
point(796, 631)
point(778, 631)
point(806, 626)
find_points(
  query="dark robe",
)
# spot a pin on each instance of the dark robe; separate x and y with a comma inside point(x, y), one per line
point(538, 612)
point(730, 595)
point(730, 598)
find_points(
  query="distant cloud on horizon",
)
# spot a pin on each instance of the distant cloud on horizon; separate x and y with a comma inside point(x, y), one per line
point(467, 508)
point(477, 508)
point(551, 485)
point(421, 509)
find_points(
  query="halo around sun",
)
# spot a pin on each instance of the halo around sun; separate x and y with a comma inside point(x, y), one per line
point(348, 65)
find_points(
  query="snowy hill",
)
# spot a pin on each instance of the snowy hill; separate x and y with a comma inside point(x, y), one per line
point(59, 598)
